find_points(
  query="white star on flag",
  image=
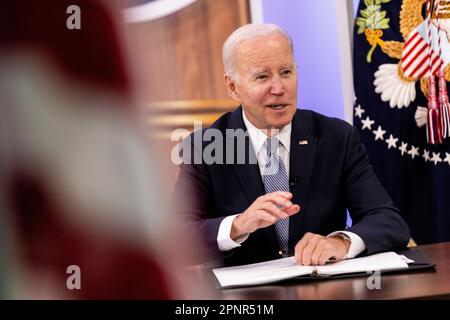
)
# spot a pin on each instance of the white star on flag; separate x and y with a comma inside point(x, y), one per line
point(403, 147)
point(379, 133)
point(426, 155)
point(359, 111)
point(436, 158)
point(367, 123)
point(447, 158)
point(392, 142)
point(413, 152)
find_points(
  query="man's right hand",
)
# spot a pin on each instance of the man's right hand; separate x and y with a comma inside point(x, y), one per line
point(264, 212)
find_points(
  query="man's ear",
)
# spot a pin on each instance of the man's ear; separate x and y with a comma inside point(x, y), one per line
point(230, 84)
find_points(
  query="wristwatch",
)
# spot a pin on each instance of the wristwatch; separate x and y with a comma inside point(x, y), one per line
point(343, 236)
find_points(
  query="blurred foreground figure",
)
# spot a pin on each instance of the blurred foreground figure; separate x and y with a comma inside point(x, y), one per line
point(80, 210)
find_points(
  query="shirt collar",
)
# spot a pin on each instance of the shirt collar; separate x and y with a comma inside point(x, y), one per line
point(258, 137)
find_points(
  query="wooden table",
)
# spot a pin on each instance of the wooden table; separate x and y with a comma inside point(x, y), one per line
point(408, 285)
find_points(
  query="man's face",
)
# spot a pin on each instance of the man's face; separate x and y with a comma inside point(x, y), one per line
point(267, 83)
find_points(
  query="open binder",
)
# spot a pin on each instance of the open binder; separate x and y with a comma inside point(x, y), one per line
point(282, 269)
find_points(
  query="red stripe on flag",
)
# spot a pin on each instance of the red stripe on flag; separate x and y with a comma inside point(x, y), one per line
point(420, 65)
point(421, 50)
point(427, 69)
point(409, 50)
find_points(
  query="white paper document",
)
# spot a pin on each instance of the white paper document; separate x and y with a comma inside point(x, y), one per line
point(286, 268)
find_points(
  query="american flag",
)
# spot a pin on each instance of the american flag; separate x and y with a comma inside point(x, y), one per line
point(416, 57)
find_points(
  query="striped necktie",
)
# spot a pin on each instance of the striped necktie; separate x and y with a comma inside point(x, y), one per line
point(275, 179)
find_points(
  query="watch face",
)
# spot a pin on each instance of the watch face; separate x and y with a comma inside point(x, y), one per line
point(344, 236)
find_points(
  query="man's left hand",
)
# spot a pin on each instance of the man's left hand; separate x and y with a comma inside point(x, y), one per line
point(314, 249)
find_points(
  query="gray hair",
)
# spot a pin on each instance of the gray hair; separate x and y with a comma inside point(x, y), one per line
point(245, 32)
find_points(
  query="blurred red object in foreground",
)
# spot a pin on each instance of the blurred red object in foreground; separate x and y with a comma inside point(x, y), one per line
point(79, 188)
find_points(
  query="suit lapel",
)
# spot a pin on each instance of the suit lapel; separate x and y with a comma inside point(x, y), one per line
point(302, 153)
point(247, 172)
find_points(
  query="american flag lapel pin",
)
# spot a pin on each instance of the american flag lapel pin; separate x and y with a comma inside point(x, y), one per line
point(303, 142)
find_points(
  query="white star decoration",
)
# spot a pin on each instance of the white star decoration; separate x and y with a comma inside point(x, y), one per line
point(436, 158)
point(392, 142)
point(403, 147)
point(413, 152)
point(379, 133)
point(447, 158)
point(359, 111)
point(426, 155)
point(367, 123)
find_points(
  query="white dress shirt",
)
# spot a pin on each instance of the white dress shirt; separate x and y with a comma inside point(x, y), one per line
point(258, 137)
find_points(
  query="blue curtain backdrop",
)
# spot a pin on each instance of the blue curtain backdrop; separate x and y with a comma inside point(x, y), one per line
point(415, 173)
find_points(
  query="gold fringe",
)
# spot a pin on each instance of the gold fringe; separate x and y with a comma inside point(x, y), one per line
point(443, 13)
point(393, 49)
point(410, 16)
point(447, 72)
point(402, 76)
point(424, 82)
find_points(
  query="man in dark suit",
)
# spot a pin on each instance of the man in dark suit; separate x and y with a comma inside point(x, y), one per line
point(287, 189)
